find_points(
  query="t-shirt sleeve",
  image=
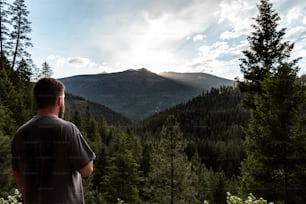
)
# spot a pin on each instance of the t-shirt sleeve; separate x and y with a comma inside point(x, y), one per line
point(80, 153)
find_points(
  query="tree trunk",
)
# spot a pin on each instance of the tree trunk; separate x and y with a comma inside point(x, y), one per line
point(17, 40)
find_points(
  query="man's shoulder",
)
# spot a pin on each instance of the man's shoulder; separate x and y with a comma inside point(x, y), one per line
point(26, 125)
point(50, 122)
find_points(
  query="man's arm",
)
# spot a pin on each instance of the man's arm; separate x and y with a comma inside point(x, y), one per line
point(18, 180)
point(87, 169)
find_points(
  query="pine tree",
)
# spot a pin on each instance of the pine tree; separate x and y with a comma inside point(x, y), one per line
point(21, 28)
point(8, 93)
point(122, 176)
point(4, 32)
point(7, 128)
point(91, 131)
point(266, 49)
point(171, 177)
point(272, 137)
point(272, 167)
point(45, 71)
point(24, 71)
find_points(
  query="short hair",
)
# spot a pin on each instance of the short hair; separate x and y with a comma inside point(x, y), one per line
point(46, 91)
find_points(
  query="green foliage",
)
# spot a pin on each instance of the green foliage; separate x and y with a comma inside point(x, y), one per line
point(267, 49)
point(122, 176)
point(211, 124)
point(274, 167)
point(171, 179)
point(273, 133)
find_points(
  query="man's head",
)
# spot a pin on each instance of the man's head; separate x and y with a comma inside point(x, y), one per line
point(49, 93)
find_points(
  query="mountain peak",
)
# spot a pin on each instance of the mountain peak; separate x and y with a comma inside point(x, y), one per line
point(138, 70)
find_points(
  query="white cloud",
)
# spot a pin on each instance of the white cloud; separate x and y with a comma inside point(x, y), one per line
point(160, 35)
point(304, 20)
point(198, 37)
point(219, 59)
point(226, 35)
point(294, 14)
point(295, 33)
point(214, 51)
point(68, 66)
point(153, 38)
point(236, 15)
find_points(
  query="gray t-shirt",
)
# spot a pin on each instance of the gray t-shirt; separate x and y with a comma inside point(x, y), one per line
point(49, 151)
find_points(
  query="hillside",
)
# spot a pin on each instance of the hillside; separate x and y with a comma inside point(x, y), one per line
point(201, 81)
point(135, 93)
point(74, 103)
point(212, 122)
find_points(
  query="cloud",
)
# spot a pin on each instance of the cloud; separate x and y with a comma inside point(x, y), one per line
point(219, 58)
point(198, 37)
point(294, 14)
point(236, 15)
point(295, 33)
point(155, 36)
point(304, 20)
point(63, 66)
point(171, 35)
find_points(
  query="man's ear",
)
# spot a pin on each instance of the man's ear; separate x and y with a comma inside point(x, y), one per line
point(59, 101)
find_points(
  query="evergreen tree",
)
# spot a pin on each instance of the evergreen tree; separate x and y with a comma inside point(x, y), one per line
point(25, 98)
point(24, 71)
point(3, 29)
point(266, 49)
point(77, 119)
point(273, 166)
point(21, 28)
point(91, 131)
point(122, 177)
point(102, 156)
point(45, 71)
point(8, 93)
point(171, 179)
point(7, 128)
point(272, 137)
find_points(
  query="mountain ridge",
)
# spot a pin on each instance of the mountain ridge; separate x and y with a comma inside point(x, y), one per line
point(136, 94)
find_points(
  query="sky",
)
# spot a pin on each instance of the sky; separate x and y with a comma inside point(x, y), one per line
point(103, 36)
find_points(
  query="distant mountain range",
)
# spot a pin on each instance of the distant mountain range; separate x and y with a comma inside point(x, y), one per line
point(139, 93)
point(200, 81)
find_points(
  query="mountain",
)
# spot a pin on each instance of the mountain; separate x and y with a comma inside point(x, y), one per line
point(74, 103)
point(201, 81)
point(134, 93)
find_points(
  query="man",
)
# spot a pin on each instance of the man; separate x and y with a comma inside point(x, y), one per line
point(49, 154)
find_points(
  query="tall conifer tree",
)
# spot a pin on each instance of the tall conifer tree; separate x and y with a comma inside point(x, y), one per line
point(3, 28)
point(266, 50)
point(20, 40)
point(121, 176)
point(45, 71)
point(171, 179)
point(273, 167)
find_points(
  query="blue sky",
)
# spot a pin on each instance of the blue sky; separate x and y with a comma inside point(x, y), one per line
point(94, 36)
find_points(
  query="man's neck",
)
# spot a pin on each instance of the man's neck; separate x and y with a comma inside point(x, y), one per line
point(47, 112)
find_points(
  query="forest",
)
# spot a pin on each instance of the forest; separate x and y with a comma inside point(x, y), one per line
point(249, 138)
